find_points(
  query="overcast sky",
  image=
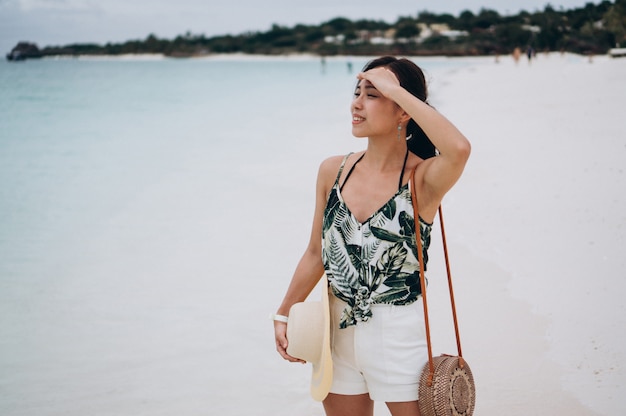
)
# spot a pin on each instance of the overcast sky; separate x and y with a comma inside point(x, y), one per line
point(60, 22)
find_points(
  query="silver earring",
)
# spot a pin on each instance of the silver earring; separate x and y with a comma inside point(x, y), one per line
point(399, 131)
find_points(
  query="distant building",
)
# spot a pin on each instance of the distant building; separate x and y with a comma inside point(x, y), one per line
point(384, 38)
point(533, 29)
point(388, 37)
point(439, 29)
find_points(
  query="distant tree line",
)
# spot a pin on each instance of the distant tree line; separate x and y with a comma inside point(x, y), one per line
point(594, 29)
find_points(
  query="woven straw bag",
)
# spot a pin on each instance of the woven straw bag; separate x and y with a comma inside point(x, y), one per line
point(450, 392)
point(446, 386)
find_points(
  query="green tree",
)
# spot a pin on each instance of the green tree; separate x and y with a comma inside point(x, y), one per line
point(465, 21)
point(152, 44)
point(512, 35)
point(486, 19)
point(615, 22)
point(371, 25)
point(431, 18)
point(339, 25)
point(552, 28)
point(406, 28)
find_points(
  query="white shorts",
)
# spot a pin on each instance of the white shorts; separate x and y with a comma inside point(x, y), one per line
point(383, 356)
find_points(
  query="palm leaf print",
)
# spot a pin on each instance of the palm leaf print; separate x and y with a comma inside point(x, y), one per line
point(347, 225)
point(389, 210)
point(391, 261)
point(392, 295)
point(374, 278)
point(370, 248)
point(347, 318)
point(331, 209)
point(354, 253)
point(407, 225)
point(341, 266)
point(399, 281)
point(389, 236)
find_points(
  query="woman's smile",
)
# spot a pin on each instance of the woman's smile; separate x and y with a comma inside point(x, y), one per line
point(356, 119)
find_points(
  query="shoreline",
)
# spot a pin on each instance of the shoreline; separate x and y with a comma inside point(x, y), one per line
point(240, 56)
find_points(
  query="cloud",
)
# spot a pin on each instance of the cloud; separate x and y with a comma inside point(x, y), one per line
point(33, 5)
point(9, 5)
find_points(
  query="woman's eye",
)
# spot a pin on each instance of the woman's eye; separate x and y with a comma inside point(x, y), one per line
point(357, 94)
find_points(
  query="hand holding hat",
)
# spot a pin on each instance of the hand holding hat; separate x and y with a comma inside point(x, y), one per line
point(280, 334)
point(306, 338)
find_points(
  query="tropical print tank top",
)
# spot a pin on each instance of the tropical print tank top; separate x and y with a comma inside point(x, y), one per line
point(374, 262)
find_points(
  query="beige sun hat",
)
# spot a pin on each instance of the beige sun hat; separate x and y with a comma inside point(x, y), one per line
point(308, 336)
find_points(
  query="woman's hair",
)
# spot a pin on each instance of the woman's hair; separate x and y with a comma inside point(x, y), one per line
point(411, 79)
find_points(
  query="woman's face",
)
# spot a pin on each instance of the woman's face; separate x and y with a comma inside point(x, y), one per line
point(373, 115)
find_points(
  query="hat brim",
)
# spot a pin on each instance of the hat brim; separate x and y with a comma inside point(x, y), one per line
point(322, 377)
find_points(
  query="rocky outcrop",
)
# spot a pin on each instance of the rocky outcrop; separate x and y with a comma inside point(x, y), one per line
point(24, 50)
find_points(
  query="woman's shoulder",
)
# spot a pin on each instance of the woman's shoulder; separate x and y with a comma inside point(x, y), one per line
point(332, 164)
point(331, 167)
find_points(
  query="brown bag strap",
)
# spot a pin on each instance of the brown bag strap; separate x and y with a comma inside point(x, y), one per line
point(420, 256)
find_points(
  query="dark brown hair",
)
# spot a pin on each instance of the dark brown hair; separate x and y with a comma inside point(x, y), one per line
point(412, 79)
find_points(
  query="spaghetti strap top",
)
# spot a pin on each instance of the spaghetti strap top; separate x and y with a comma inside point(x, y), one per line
point(406, 157)
point(374, 262)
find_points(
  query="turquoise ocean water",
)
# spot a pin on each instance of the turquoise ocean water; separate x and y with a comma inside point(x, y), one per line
point(80, 137)
point(131, 191)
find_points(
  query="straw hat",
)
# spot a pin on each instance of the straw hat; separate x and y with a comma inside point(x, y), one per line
point(308, 334)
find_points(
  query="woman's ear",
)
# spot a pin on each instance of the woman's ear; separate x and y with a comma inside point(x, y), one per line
point(405, 117)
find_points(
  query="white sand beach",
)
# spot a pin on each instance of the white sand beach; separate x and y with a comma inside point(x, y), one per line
point(537, 230)
point(158, 308)
point(538, 223)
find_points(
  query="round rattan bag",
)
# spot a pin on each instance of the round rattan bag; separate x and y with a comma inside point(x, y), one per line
point(452, 391)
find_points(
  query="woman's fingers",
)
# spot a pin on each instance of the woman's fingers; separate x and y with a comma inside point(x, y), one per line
point(384, 80)
point(280, 333)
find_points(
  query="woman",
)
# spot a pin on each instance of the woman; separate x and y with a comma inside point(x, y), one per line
point(364, 221)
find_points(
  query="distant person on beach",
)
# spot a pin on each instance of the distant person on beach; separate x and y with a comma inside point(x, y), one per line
point(530, 53)
point(363, 238)
point(517, 54)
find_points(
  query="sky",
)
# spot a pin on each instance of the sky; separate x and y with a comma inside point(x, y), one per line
point(61, 22)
